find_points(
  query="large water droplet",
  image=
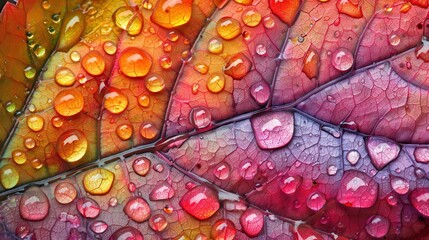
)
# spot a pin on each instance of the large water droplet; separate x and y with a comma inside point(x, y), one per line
point(69, 102)
point(137, 209)
point(126, 233)
point(381, 151)
point(88, 207)
point(98, 181)
point(154, 83)
point(65, 193)
point(420, 200)
point(9, 177)
point(223, 229)
point(377, 226)
point(252, 222)
point(311, 63)
point(342, 59)
point(238, 66)
point(399, 185)
point(19, 157)
point(200, 202)
point(273, 130)
point(251, 17)
point(421, 154)
point(158, 222)
point(200, 117)
point(353, 157)
point(128, 19)
point(285, 10)
point(72, 28)
point(141, 166)
point(115, 101)
point(228, 28)
point(35, 122)
point(71, 145)
point(289, 184)
point(216, 83)
point(34, 205)
point(64, 77)
point(316, 201)
point(357, 190)
point(248, 169)
point(135, 62)
point(222, 171)
point(93, 63)
point(171, 14)
point(162, 191)
point(148, 130)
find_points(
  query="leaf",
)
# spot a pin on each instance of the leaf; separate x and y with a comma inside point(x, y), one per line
point(216, 119)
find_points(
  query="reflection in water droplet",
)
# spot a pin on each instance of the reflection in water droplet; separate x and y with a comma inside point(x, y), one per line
point(75, 56)
point(215, 45)
point(72, 28)
point(69, 102)
point(357, 190)
point(65, 193)
point(19, 157)
point(135, 62)
point(251, 17)
point(200, 202)
point(158, 222)
point(34, 205)
point(128, 19)
point(88, 207)
point(377, 226)
point(126, 233)
point(228, 28)
point(29, 72)
point(71, 145)
point(9, 177)
point(222, 171)
point(154, 83)
point(109, 47)
point(64, 77)
point(237, 66)
point(93, 63)
point(223, 229)
point(342, 59)
point(98, 226)
point(148, 130)
point(252, 222)
point(115, 101)
point(171, 14)
point(316, 201)
point(399, 185)
point(394, 39)
point(124, 131)
point(35, 122)
point(29, 143)
point(137, 209)
point(381, 152)
point(216, 83)
point(98, 181)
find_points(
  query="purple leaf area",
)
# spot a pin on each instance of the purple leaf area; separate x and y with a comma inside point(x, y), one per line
point(263, 119)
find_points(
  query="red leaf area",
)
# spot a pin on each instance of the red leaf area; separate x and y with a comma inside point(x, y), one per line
point(264, 119)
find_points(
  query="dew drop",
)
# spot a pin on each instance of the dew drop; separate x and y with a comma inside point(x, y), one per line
point(222, 171)
point(34, 204)
point(252, 222)
point(29, 143)
point(39, 51)
point(36, 163)
point(394, 39)
point(64, 77)
point(10, 107)
point(137, 209)
point(57, 121)
point(201, 68)
point(46, 5)
point(173, 36)
point(135, 62)
point(215, 45)
point(115, 101)
point(93, 63)
point(405, 7)
point(65, 193)
point(289, 184)
point(9, 176)
point(273, 130)
point(144, 100)
point(166, 47)
point(399, 185)
point(165, 62)
point(109, 47)
point(332, 170)
point(113, 201)
point(154, 83)
point(223, 229)
point(260, 92)
point(162, 191)
point(420, 173)
point(19, 157)
point(158, 222)
point(23, 231)
point(316, 201)
point(377, 226)
point(342, 59)
point(195, 87)
point(353, 157)
point(128, 19)
point(98, 181)
point(72, 28)
point(285, 10)
point(171, 14)
point(247, 169)
point(228, 28)
point(75, 56)
point(381, 152)
point(349, 8)
point(126, 233)
point(392, 200)
point(148, 130)
point(71, 145)
point(422, 154)
point(238, 66)
point(244, 2)
point(124, 131)
point(141, 166)
point(268, 21)
point(357, 190)
point(201, 202)
point(251, 17)
point(311, 63)
point(29, 72)
point(88, 207)
point(35, 122)
point(98, 227)
point(216, 83)
point(200, 117)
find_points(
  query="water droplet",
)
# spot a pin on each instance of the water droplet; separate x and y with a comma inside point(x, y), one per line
point(381, 151)
point(98, 181)
point(98, 227)
point(158, 222)
point(171, 14)
point(252, 222)
point(248, 169)
point(165, 62)
point(260, 92)
point(399, 185)
point(349, 8)
point(72, 28)
point(64, 77)
point(222, 171)
point(23, 230)
point(405, 7)
point(223, 229)
point(342, 59)
point(228, 28)
point(75, 56)
point(131, 187)
point(29, 143)
point(128, 19)
point(137, 209)
point(126, 233)
point(36, 163)
point(34, 205)
point(201, 68)
point(144, 100)
point(113, 201)
point(238, 66)
point(88, 207)
point(289, 184)
point(124, 131)
point(19, 157)
point(215, 45)
point(268, 21)
point(57, 121)
point(311, 63)
point(316, 201)
point(246, 35)
point(394, 39)
point(332, 131)
point(35, 122)
point(115, 101)
point(65, 193)
point(10, 107)
point(162, 191)
point(216, 83)
point(357, 190)
point(148, 130)
point(9, 177)
point(154, 83)
point(377, 226)
point(109, 47)
point(420, 173)
point(135, 62)
point(141, 166)
point(72, 145)
point(244, 2)
point(392, 200)
point(273, 130)
point(51, 30)
point(285, 10)
point(200, 117)
point(46, 5)
point(422, 154)
point(353, 157)
point(39, 51)
point(332, 170)
point(93, 63)
point(200, 202)
point(251, 17)
point(29, 72)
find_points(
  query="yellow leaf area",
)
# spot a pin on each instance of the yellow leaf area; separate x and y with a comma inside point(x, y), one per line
point(28, 34)
point(88, 101)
